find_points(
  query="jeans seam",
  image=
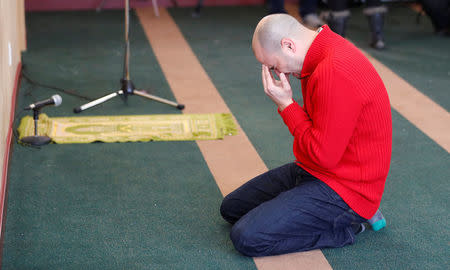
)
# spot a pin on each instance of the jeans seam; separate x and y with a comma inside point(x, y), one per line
point(351, 234)
point(336, 220)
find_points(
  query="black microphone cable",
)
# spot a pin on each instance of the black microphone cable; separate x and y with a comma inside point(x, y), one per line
point(63, 90)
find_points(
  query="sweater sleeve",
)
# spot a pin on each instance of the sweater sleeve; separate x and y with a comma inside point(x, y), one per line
point(323, 131)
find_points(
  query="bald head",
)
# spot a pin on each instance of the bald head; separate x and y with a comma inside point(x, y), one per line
point(280, 42)
point(273, 28)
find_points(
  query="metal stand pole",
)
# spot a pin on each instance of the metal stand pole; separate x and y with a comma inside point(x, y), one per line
point(126, 83)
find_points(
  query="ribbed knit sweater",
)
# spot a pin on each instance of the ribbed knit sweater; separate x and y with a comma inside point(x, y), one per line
point(343, 132)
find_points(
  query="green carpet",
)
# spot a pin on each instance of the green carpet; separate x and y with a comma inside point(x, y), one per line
point(416, 196)
point(107, 206)
point(155, 205)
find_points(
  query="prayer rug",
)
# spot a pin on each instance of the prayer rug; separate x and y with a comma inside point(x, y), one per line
point(131, 128)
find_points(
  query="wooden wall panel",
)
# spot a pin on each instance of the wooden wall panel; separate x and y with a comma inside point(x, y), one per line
point(21, 26)
point(12, 42)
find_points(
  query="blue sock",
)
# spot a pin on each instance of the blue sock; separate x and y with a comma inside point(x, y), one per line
point(378, 221)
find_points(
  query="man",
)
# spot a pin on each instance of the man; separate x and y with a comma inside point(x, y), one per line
point(342, 143)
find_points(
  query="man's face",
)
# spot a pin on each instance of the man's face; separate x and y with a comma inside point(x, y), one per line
point(279, 62)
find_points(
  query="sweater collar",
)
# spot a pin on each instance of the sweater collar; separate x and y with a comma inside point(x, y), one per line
point(317, 51)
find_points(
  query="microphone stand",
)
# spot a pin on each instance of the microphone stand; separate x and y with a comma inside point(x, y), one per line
point(126, 83)
point(36, 139)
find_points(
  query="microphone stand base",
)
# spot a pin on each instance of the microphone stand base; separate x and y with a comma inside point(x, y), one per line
point(36, 140)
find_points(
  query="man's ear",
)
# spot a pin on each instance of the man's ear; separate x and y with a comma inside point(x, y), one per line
point(288, 44)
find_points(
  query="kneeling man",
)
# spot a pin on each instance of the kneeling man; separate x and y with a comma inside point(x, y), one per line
point(342, 144)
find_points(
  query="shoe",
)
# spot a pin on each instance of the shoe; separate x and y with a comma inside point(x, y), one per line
point(313, 21)
point(378, 44)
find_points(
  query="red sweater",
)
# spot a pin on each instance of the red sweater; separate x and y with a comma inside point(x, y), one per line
point(343, 132)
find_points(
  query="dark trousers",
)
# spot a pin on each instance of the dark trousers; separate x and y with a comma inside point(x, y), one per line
point(439, 12)
point(287, 210)
point(277, 6)
point(308, 7)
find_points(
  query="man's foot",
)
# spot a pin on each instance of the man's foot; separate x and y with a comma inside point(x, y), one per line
point(377, 222)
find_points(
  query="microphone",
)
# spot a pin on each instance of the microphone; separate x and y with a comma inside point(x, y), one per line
point(54, 100)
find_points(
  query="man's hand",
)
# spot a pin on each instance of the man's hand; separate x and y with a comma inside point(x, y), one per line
point(279, 91)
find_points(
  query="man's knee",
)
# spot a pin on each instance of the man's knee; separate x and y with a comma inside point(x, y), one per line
point(226, 210)
point(248, 242)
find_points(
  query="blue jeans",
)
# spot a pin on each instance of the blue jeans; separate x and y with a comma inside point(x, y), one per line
point(287, 210)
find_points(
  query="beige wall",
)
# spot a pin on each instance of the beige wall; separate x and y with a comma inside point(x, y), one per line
point(12, 42)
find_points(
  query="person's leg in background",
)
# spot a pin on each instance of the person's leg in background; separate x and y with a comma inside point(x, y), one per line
point(375, 12)
point(439, 13)
point(338, 16)
point(308, 13)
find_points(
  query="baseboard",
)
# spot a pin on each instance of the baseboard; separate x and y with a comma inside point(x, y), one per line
point(7, 156)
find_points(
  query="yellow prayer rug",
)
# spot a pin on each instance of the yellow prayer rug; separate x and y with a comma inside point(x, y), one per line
point(131, 128)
